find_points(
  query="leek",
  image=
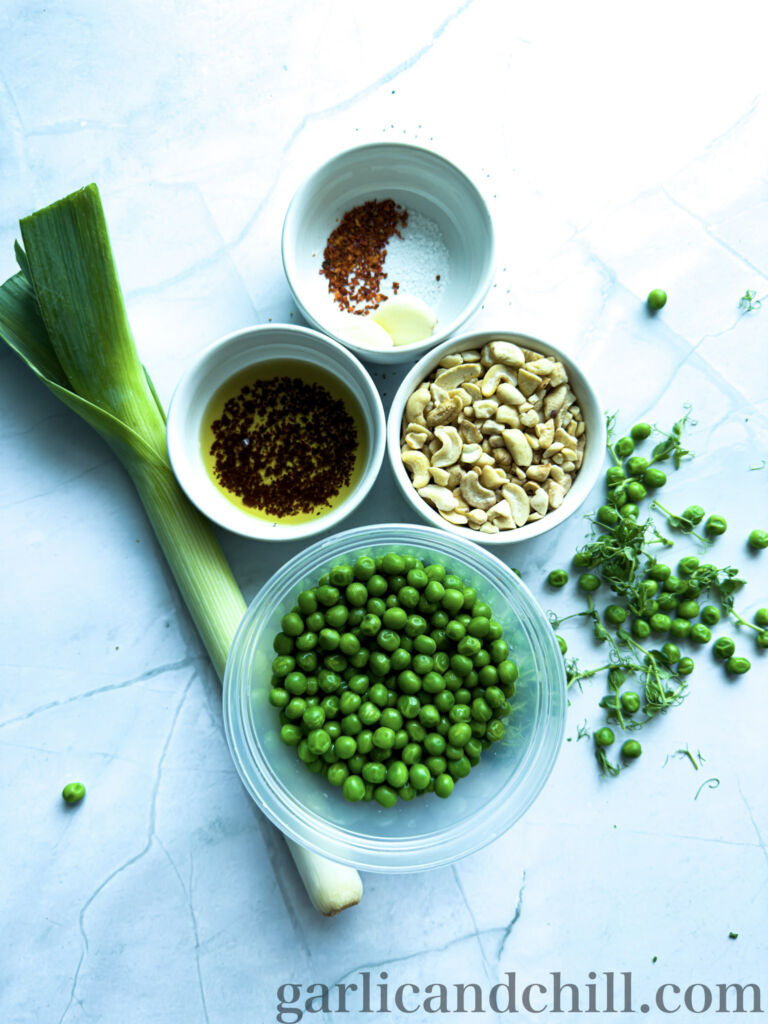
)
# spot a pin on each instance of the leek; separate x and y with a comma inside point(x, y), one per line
point(64, 316)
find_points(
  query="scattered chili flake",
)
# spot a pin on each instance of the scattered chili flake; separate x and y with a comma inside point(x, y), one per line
point(353, 260)
point(284, 446)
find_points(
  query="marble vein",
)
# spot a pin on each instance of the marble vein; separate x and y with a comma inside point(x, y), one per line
point(131, 860)
point(702, 222)
point(153, 673)
point(36, 495)
point(760, 841)
point(187, 889)
point(514, 920)
point(472, 917)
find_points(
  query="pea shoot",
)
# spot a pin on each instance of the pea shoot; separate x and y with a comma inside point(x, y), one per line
point(650, 604)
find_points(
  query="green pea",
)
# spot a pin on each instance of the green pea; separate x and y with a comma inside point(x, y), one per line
point(408, 597)
point(607, 516)
point(434, 591)
point(635, 491)
point(694, 514)
point(641, 629)
point(374, 771)
point(314, 717)
point(657, 299)
point(443, 785)
point(710, 615)
point(723, 647)
point(715, 526)
point(660, 623)
point(674, 585)
point(614, 614)
point(384, 737)
point(328, 595)
point(295, 708)
point(329, 639)
point(73, 792)
point(419, 776)
point(631, 750)
point(393, 564)
point(278, 697)
point(688, 566)
point(681, 628)
point(762, 639)
point(292, 624)
point(318, 741)
point(654, 477)
point(415, 625)
point(614, 476)
point(624, 447)
point(283, 644)
point(700, 633)
point(377, 585)
point(738, 666)
point(685, 666)
point(761, 617)
point(604, 736)
point(337, 773)
point(557, 578)
point(507, 672)
point(452, 601)
point(667, 603)
point(630, 702)
point(758, 539)
point(353, 788)
point(351, 725)
point(671, 653)
point(641, 431)
point(455, 630)
point(687, 610)
point(291, 734)
point(425, 645)
point(637, 465)
point(588, 582)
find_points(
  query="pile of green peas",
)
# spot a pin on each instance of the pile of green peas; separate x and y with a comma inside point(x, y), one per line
point(391, 678)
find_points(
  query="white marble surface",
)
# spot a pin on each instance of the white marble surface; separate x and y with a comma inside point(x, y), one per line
point(621, 147)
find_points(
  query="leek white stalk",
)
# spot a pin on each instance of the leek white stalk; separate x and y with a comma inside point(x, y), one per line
point(64, 316)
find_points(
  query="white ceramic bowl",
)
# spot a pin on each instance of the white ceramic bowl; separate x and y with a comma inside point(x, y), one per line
point(424, 183)
point(224, 360)
point(584, 481)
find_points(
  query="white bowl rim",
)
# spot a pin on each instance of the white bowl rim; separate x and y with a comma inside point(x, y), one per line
point(584, 481)
point(439, 848)
point(196, 484)
point(402, 353)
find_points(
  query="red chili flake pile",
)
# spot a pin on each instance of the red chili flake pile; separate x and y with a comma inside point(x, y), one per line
point(284, 446)
point(353, 260)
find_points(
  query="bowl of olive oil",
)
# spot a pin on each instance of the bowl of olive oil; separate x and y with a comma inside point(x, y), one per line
point(276, 432)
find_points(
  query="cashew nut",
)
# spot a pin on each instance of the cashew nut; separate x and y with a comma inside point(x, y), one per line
point(506, 352)
point(475, 494)
point(440, 497)
point(417, 463)
point(450, 446)
point(497, 374)
point(457, 375)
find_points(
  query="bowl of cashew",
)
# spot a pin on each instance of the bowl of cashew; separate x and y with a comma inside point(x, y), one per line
point(496, 435)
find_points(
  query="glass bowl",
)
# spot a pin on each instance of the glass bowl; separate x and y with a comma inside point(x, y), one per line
point(428, 831)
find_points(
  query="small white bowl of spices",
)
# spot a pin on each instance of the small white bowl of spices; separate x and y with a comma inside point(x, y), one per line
point(276, 432)
point(389, 248)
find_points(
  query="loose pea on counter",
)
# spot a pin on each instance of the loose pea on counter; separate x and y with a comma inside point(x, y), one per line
point(391, 678)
